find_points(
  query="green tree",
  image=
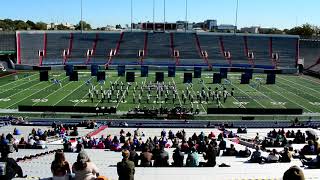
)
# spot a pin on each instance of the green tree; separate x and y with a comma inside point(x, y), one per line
point(20, 25)
point(41, 26)
point(85, 25)
point(306, 30)
point(118, 26)
point(31, 24)
point(62, 27)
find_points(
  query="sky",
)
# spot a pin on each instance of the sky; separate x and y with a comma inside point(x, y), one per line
point(99, 13)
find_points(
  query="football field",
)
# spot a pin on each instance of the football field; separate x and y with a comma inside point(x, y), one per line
point(289, 92)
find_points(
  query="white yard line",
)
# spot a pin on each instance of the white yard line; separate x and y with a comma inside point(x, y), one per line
point(69, 94)
point(32, 94)
point(310, 80)
point(267, 96)
point(29, 88)
point(249, 96)
point(14, 88)
point(17, 81)
point(288, 99)
point(177, 92)
point(300, 85)
point(51, 94)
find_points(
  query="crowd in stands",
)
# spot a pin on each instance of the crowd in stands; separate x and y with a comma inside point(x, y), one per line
point(153, 151)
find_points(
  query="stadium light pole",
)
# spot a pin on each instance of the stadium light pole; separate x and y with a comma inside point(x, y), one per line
point(81, 21)
point(153, 11)
point(236, 21)
point(164, 15)
point(186, 23)
point(131, 15)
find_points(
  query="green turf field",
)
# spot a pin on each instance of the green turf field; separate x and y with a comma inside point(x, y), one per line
point(289, 92)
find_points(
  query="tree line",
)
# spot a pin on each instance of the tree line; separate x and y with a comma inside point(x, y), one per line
point(305, 30)
point(14, 25)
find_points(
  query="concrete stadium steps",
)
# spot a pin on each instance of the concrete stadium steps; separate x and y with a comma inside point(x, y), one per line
point(106, 42)
point(186, 44)
point(81, 43)
point(159, 46)
point(211, 44)
point(56, 44)
point(236, 46)
point(286, 48)
point(106, 161)
point(309, 51)
point(30, 44)
point(260, 48)
point(130, 45)
point(7, 41)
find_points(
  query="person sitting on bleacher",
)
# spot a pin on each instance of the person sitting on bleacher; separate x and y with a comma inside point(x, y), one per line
point(244, 153)
point(83, 168)
point(222, 144)
point(309, 149)
point(16, 131)
point(178, 157)
point(146, 157)
point(312, 163)
point(8, 166)
point(256, 156)
point(210, 155)
point(60, 168)
point(285, 155)
point(22, 143)
point(67, 146)
point(193, 158)
point(293, 173)
point(273, 157)
point(230, 151)
point(161, 157)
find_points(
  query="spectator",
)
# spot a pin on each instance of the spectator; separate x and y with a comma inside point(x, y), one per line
point(231, 151)
point(222, 144)
point(286, 155)
point(8, 166)
point(60, 168)
point(245, 153)
point(146, 157)
point(273, 157)
point(178, 157)
point(210, 155)
point(293, 173)
point(125, 168)
point(134, 156)
point(309, 149)
point(193, 158)
point(161, 158)
point(256, 156)
point(313, 163)
point(84, 169)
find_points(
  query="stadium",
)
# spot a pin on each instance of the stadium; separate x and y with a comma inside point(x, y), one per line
point(171, 94)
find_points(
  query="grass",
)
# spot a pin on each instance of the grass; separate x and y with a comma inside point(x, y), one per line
point(289, 92)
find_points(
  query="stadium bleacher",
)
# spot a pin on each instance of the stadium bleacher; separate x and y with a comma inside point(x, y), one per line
point(189, 54)
point(56, 44)
point(7, 41)
point(159, 48)
point(106, 42)
point(310, 52)
point(30, 44)
point(130, 45)
point(287, 51)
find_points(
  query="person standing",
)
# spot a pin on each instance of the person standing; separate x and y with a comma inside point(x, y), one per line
point(125, 168)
